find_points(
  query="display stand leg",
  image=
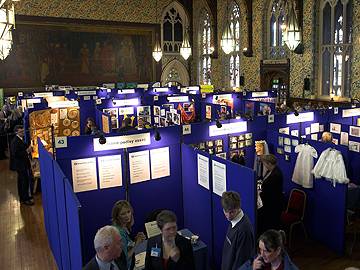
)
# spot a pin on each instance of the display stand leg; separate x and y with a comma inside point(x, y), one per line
point(126, 173)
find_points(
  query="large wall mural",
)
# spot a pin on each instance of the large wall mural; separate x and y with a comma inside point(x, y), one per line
point(81, 55)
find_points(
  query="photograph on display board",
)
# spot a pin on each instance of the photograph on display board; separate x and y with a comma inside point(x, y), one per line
point(354, 146)
point(210, 144)
point(186, 107)
point(280, 141)
point(344, 138)
point(358, 121)
point(241, 144)
point(219, 142)
point(264, 109)
point(208, 112)
point(294, 142)
point(233, 139)
point(249, 108)
point(242, 137)
point(335, 128)
point(284, 130)
point(211, 151)
point(287, 148)
point(143, 111)
point(287, 141)
point(223, 112)
point(248, 135)
point(221, 155)
point(169, 118)
point(233, 145)
point(335, 141)
point(354, 131)
point(73, 52)
point(156, 110)
point(202, 146)
point(295, 133)
point(157, 120)
point(144, 122)
point(168, 106)
point(280, 150)
point(219, 149)
point(224, 99)
point(113, 112)
point(248, 142)
point(176, 118)
point(163, 122)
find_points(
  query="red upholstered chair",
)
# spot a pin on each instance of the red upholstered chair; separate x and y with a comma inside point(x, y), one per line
point(294, 213)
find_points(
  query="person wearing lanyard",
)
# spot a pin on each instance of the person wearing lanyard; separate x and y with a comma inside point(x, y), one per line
point(271, 195)
point(169, 250)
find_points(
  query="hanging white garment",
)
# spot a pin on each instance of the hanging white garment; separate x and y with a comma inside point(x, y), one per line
point(304, 164)
point(331, 166)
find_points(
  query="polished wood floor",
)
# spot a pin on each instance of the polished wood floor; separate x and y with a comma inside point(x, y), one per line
point(23, 241)
point(24, 246)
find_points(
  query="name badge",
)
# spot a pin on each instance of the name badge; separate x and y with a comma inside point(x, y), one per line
point(155, 252)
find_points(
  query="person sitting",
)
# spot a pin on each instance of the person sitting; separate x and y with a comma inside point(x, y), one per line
point(90, 126)
point(109, 253)
point(169, 250)
point(272, 254)
point(123, 220)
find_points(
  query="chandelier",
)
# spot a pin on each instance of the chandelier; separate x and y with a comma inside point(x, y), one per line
point(7, 24)
point(292, 34)
point(185, 49)
point(157, 51)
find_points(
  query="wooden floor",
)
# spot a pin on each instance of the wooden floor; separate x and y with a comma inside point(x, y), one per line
point(23, 241)
point(24, 245)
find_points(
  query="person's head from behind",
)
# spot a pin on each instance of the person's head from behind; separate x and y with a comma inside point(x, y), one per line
point(19, 130)
point(269, 161)
point(231, 204)
point(122, 214)
point(90, 122)
point(166, 221)
point(271, 245)
point(107, 243)
point(326, 137)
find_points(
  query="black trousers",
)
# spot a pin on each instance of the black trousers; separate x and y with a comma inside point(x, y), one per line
point(24, 184)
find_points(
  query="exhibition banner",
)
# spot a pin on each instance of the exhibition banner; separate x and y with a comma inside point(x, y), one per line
point(119, 142)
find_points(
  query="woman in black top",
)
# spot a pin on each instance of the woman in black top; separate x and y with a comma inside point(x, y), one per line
point(271, 195)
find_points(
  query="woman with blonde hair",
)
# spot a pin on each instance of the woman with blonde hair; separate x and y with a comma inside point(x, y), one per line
point(123, 219)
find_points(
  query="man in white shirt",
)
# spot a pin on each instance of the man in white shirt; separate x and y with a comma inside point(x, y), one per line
point(239, 244)
point(109, 253)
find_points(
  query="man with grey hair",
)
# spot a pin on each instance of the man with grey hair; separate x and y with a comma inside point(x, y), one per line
point(109, 253)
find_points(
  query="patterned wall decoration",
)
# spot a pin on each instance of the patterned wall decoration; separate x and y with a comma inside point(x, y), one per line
point(140, 11)
point(144, 11)
point(355, 84)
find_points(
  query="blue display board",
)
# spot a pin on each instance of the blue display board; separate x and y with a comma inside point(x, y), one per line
point(242, 180)
point(197, 199)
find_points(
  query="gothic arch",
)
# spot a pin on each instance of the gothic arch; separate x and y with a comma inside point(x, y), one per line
point(176, 69)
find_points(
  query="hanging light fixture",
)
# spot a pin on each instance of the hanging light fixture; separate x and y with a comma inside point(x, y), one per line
point(292, 34)
point(7, 24)
point(227, 40)
point(157, 52)
point(185, 49)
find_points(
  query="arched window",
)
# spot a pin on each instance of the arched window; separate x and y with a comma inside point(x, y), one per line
point(276, 19)
point(234, 56)
point(205, 49)
point(173, 26)
point(335, 47)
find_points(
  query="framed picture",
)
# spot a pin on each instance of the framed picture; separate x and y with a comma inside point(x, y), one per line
point(314, 137)
point(344, 138)
point(241, 137)
point(210, 144)
point(113, 116)
point(295, 133)
point(248, 142)
point(284, 130)
point(287, 148)
point(354, 146)
point(219, 142)
point(287, 141)
point(241, 144)
point(219, 149)
point(358, 121)
point(202, 146)
point(248, 136)
point(335, 141)
point(211, 151)
point(294, 142)
point(233, 139)
point(221, 155)
point(354, 131)
point(280, 150)
point(156, 110)
point(280, 141)
point(335, 128)
point(176, 118)
point(233, 145)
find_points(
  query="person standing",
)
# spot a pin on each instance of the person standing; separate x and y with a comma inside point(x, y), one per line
point(239, 244)
point(109, 252)
point(20, 157)
point(123, 219)
point(169, 250)
point(271, 195)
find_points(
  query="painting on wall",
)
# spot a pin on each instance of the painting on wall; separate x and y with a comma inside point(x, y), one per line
point(78, 54)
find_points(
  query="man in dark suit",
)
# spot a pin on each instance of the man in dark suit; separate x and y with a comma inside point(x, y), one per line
point(109, 253)
point(20, 160)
